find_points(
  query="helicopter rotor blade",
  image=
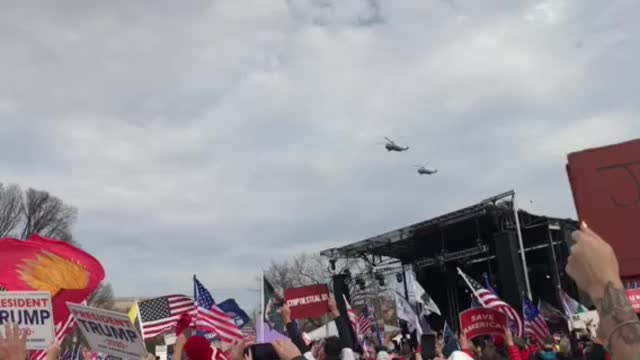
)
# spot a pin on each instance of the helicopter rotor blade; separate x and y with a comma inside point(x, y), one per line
point(389, 140)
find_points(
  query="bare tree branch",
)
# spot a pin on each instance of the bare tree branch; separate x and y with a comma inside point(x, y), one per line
point(10, 202)
point(309, 269)
point(46, 215)
point(103, 298)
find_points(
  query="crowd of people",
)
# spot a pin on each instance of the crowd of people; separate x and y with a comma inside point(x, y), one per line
point(592, 265)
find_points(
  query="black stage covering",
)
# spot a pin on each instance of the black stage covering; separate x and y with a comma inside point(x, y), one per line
point(482, 241)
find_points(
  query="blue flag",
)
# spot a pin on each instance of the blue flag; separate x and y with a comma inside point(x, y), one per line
point(450, 341)
point(233, 310)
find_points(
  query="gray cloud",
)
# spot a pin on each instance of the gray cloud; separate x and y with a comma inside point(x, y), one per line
point(211, 137)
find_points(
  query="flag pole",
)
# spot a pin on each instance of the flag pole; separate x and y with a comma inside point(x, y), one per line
point(475, 293)
point(326, 324)
point(521, 243)
point(262, 315)
point(195, 290)
point(139, 319)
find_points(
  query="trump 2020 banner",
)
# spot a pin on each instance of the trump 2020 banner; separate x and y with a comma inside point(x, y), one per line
point(482, 321)
point(109, 332)
point(31, 311)
point(307, 302)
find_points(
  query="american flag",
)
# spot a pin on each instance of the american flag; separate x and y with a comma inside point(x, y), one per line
point(160, 314)
point(211, 319)
point(534, 323)
point(218, 354)
point(369, 350)
point(73, 354)
point(365, 321)
point(489, 299)
point(352, 317)
point(62, 329)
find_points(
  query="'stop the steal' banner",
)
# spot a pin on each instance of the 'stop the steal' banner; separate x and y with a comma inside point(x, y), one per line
point(481, 322)
point(109, 332)
point(31, 311)
point(307, 302)
point(634, 298)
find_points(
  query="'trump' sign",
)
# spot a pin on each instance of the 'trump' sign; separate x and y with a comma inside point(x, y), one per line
point(307, 302)
point(482, 321)
point(109, 332)
point(31, 311)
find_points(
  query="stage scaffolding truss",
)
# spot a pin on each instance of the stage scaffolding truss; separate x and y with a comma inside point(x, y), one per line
point(462, 238)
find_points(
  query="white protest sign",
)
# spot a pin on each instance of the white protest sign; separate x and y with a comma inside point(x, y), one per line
point(31, 311)
point(170, 339)
point(109, 332)
point(587, 320)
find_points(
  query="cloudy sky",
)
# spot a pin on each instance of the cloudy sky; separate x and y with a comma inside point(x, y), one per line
point(212, 136)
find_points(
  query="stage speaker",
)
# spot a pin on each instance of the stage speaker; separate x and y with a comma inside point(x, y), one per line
point(510, 275)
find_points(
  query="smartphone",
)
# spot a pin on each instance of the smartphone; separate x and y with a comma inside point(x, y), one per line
point(264, 352)
point(428, 346)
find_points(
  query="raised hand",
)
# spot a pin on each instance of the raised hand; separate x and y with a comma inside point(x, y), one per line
point(464, 342)
point(13, 346)
point(237, 349)
point(594, 267)
point(248, 355)
point(286, 350)
point(53, 351)
point(592, 263)
point(286, 314)
point(333, 306)
point(508, 337)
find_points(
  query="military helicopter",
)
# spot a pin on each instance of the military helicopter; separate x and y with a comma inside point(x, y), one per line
point(422, 170)
point(392, 146)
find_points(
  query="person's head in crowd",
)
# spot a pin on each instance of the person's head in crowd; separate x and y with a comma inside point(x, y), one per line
point(198, 348)
point(489, 352)
point(500, 347)
point(459, 355)
point(548, 350)
point(396, 344)
point(498, 341)
point(383, 355)
point(520, 343)
point(549, 344)
point(332, 348)
point(565, 347)
point(405, 348)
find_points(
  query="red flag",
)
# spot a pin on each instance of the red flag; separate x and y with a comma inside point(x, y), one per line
point(38, 264)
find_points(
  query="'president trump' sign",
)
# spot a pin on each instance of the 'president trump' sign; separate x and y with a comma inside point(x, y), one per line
point(31, 311)
point(109, 332)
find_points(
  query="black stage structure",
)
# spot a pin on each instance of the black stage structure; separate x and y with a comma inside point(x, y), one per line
point(480, 239)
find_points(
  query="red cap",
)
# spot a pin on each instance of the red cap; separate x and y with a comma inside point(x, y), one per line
point(198, 348)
